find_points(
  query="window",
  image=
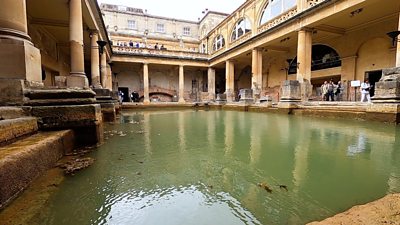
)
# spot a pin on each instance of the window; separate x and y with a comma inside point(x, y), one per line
point(242, 26)
point(131, 24)
point(276, 8)
point(218, 43)
point(186, 31)
point(160, 28)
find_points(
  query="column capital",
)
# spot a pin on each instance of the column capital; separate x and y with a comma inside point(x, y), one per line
point(306, 29)
point(93, 32)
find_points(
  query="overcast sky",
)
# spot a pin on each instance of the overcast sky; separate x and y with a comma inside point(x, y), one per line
point(179, 9)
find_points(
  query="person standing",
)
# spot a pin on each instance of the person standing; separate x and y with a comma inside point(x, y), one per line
point(330, 94)
point(338, 91)
point(324, 91)
point(365, 87)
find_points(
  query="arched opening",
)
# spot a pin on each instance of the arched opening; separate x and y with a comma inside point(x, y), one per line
point(275, 8)
point(322, 57)
point(218, 43)
point(242, 27)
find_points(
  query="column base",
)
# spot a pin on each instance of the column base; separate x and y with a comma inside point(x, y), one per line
point(77, 80)
point(20, 60)
point(230, 95)
point(146, 102)
point(181, 101)
point(291, 91)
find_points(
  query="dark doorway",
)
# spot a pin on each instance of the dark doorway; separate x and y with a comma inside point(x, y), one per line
point(373, 77)
point(125, 90)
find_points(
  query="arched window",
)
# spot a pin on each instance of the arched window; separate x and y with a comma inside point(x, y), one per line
point(218, 43)
point(275, 8)
point(242, 26)
point(322, 57)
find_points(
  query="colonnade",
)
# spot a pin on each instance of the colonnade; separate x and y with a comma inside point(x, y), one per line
point(16, 45)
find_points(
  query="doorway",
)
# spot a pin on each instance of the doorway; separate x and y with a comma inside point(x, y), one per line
point(373, 77)
point(125, 91)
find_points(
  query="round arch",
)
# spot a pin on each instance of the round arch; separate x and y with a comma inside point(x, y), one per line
point(322, 57)
point(274, 8)
point(244, 28)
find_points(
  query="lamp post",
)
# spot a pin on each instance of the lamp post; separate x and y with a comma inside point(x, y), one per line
point(393, 35)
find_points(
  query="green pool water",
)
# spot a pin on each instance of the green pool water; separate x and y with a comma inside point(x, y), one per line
point(203, 167)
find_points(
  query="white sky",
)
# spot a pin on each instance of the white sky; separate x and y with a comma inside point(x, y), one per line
point(179, 9)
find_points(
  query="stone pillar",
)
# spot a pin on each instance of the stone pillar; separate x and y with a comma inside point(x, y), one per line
point(211, 84)
point(181, 84)
point(304, 49)
point(256, 73)
point(77, 76)
point(348, 72)
point(398, 48)
point(230, 81)
point(103, 69)
point(94, 37)
point(109, 78)
point(146, 95)
point(19, 59)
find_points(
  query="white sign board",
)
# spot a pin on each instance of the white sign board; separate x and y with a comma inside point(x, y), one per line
point(355, 83)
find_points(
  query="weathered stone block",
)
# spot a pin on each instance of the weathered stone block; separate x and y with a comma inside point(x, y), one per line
point(387, 90)
point(13, 128)
point(291, 91)
point(246, 95)
point(20, 60)
point(26, 159)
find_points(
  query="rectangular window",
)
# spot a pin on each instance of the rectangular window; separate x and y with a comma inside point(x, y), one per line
point(160, 28)
point(186, 31)
point(131, 24)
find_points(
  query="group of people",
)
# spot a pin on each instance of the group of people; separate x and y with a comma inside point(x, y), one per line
point(331, 91)
point(134, 44)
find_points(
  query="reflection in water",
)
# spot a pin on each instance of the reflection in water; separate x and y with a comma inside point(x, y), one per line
point(196, 167)
point(187, 204)
point(359, 147)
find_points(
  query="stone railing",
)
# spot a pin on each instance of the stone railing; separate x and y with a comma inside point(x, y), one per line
point(278, 20)
point(312, 3)
point(158, 52)
point(218, 51)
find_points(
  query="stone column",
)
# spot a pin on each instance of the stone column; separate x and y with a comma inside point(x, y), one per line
point(181, 84)
point(77, 76)
point(256, 73)
point(348, 72)
point(109, 77)
point(103, 69)
point(304, 49)
point(19, 59)
point(146, 95)
point(398, 47)
point(211, 84)
point(94, 37)
point(230, 81)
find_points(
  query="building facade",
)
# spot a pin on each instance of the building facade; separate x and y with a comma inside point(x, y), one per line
point(260, 45)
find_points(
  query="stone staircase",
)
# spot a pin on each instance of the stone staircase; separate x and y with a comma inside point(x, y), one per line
point(26, 152)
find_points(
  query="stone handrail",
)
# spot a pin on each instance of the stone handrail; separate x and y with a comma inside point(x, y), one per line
point(157, 52)
point(278, 20)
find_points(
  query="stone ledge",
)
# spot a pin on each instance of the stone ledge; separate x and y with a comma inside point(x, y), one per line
point(13, 128)
point(36, 153)
point(383, 211)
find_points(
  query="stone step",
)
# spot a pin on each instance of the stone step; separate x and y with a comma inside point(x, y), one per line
point(24, 160)
point(11, 129)
point(11, 112)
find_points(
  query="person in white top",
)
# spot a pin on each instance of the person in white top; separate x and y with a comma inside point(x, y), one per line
point(365, 88)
